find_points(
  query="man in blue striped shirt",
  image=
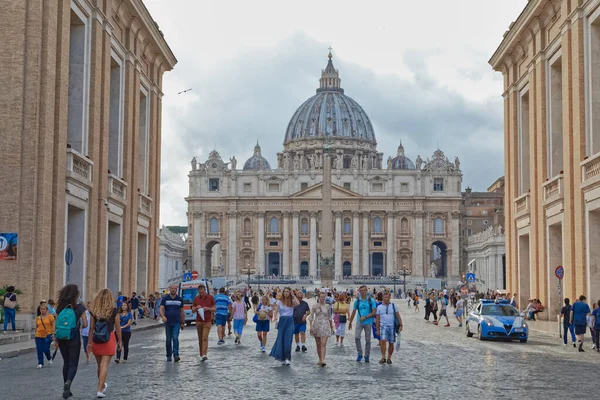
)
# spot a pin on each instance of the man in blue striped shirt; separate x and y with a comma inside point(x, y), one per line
point(223, 303)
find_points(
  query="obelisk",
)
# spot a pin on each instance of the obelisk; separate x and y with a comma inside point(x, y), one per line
point(326, 259)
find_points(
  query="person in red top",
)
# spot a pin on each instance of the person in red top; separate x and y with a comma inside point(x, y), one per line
point(204, 305)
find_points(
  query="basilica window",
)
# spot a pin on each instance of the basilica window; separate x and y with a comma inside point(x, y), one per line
point(438, 226)
point(347, 226)
point(347, 186)
point(438, 184)
point(214, 225)
point(247, 187)
point(273, 187)
point(377, 228)
point(377, 187)
point(213, 185)
point(303, 185)
point(274, 225)
point(404, 187)
point(304, 227)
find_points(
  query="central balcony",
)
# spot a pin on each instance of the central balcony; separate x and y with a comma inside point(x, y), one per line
point(213, 235)
point(273, 235)
point(376, 235)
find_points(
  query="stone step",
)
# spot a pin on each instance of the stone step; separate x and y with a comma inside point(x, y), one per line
point(10, 337)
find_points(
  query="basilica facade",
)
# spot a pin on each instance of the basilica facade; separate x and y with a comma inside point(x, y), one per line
point(390, 216)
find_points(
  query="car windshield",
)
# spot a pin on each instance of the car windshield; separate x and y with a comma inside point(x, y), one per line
point(500, 310)
point(188, 295)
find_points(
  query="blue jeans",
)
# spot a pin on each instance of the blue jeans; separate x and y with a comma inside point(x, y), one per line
point(42, 345)
point(172, 332)
point(569, 327)
point(9, 315)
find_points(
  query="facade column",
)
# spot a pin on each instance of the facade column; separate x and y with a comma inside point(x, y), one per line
point(198, 233)
point(365, 244)
point(355, 244)
point(338, 245)
point(232, 263)
point(295, 244)
point(260, 260)
point(389, 257)
point(419, 250)
point(286, 243)
point(312, 264)
point(454, 269)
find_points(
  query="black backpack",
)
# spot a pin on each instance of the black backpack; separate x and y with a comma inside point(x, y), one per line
point(101, 332)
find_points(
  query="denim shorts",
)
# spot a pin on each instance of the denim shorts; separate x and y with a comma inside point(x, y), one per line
point(388, 334)
point(221, 320)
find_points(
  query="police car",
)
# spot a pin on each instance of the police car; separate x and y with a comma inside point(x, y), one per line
point(497, 319)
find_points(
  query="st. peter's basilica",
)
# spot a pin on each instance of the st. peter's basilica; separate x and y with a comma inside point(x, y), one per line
point(389, 214)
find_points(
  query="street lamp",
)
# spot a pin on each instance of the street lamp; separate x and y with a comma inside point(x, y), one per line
point(248, 267)
point(405, 271)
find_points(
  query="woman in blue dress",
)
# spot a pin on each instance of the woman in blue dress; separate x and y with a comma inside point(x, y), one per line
point(284, 308)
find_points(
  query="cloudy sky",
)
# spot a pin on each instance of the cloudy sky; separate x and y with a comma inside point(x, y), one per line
point(418, 68)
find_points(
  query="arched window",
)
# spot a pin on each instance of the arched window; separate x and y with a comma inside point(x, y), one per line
point(438, 226)
point(304, 227)
point(377, 225)
point(247, 225)
point(214, 225)
point(347, 226)
point(274, 225)
point(404, 225)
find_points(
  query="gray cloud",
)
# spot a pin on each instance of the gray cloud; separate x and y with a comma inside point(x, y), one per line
point(252, 97)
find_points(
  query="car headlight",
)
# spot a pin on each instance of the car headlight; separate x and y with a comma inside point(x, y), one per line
point(488, 322)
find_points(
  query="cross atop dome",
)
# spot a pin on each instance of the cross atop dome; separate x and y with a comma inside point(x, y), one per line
point(330, 77)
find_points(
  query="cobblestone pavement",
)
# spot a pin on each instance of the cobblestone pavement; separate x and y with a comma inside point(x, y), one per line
point(433, 362)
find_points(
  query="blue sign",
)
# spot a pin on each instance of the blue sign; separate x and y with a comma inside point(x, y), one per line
point(69, 256)
point(470, 277)
point(559, 272)
point(187, 276)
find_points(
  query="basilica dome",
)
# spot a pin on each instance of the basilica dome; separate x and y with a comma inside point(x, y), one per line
point(330, 113)
point(401, 161)
point(257, 161)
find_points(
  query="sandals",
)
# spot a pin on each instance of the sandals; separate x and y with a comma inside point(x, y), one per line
point(389, 361)
point(382, 361)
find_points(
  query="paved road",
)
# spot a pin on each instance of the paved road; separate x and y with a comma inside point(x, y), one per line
point(434, 362)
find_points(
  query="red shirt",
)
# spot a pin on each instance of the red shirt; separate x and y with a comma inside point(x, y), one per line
point(205, 302)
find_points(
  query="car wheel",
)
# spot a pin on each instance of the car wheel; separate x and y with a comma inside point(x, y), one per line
point(479, 334)
point(469, 333)
point(523, 340)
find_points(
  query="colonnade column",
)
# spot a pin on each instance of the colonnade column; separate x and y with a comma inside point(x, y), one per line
point(338, 244)
point(365, 244)
point(286, 243)
point(232, 236)
point(390, 269)
point(355, 244)
point(419, 251)
point(197, 243)
point(295, 244)
point(260, 259)
point(312, 264)
point(454, 271)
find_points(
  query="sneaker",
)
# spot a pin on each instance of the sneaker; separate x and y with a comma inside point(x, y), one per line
point(263, 349)
point(49, 362)
point(169, 359)
point(359, 358)
point(204, 358)
point(366, 359)
point(105, 387)
point(594, 347)
point(124, 361)
point(40, 366)
point(435, 322)
point(67, 390)
point(564, 345)
point(447, 325)
point(304, 349)
point(341, 344)
point(220, 342)
point(460, 325)
point(297, 348)
point(574, 344)
point(229, 334)
point(287, 362)
point(100, 395)
point(117, 360)
point(176, 358)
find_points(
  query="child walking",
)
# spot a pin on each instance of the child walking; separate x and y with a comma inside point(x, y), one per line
point(240, 317)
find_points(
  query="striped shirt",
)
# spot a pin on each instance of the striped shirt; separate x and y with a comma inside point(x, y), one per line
point(222, 301)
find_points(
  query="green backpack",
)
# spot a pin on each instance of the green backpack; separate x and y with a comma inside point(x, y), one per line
point(66, 324)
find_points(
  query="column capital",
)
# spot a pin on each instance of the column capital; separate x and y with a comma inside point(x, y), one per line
point(260, 214)
point(231, 214)
point(286, 214)
point(455, 214)
point(366, 214)
point(197, 214)
point(337, 214)
point(295, 214)
point(313, 214)
point(355, 214)
point(391, 214)
point(419, 214)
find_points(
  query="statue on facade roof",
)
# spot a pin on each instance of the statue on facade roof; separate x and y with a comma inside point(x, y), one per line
point(389, 162)
point(457, 163)
point(233, 163)
point(419, 161)
point(194, 164)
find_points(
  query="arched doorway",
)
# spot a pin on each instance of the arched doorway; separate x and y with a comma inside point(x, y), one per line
point(439, 258)
point(304, 268)
point(212, 260)
point(274, 262)
point(347, 268)
point(377, 264)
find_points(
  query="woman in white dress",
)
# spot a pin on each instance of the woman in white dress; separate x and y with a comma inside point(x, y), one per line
point(321, 326)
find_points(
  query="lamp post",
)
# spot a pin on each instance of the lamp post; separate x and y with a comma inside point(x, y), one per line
point(258, 274)
point(405, 271)
point(248, 267)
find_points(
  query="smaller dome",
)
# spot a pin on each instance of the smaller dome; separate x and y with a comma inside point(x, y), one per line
point(401, 161)
point(257, 161)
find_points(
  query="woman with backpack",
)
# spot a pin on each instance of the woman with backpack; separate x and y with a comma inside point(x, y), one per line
point(105, 328)
point(67, 333)
point(10, 308)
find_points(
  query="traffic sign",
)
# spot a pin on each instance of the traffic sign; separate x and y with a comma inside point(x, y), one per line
point(68, 256)
point(464, 290)
point(559, 272)
point(187, 276)
point(470, 277)
point(195, 275)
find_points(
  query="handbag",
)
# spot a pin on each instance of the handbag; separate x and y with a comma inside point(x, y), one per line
point(255, 318)
point(396, 321)
point(8, 303)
